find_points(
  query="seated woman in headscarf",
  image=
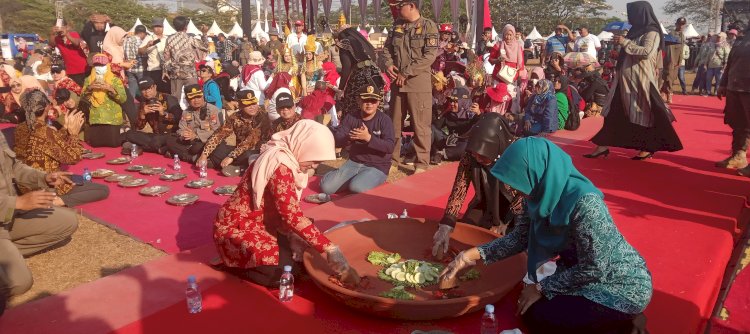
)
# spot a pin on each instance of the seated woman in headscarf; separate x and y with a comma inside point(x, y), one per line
point(601, 284)
point(104, 92)
point(540, 114)
point(46, 149)
point(13, 112)
point(555, 66)
point(490, 206)
point(561, 98)
point(537, 74)
point(261, 227)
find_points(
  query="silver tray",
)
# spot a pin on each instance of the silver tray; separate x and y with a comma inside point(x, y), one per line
point(202, 183)
point(154, 190)
point(92, 156)
point(183, 199)
point(86, 151)
point(153, 171)
point(225, 190)
point(136, 168)
point(172, 177)
point(119, 161)
point(102, 173)
point(117, 178)
point(132, 183)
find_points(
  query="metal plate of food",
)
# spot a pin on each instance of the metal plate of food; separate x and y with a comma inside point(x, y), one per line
point(102, 173)
point(132, 183)
point(183, 199)
point(172, 177)
point(202, 183)
point(154, 190)
point(153, 170)
point(92, 156)
point(119, 161)
point(225, 190)
point(117, 178)
point(136, 168)
point(86, 151)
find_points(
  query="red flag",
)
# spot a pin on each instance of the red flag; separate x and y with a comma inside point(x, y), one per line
point(394, 9)
point(286, 7)
point(273, 13)
point(487, 19)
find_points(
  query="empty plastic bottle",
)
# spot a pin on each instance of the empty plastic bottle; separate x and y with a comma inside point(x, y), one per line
point(176, 164)
point(134, 152)
point(86, 175)
point(203, 171)
point(193, 296)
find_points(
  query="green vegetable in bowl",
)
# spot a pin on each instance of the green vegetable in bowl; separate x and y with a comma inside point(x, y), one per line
point(411, 273)
point(397, 293)
point(383, 259)
point(470, 275)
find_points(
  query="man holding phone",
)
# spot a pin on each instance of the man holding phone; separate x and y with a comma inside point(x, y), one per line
point(29, 224)
point(68, 42)
point(158, 118)
point(153, 49)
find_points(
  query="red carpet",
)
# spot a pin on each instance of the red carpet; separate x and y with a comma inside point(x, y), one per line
point(678, 210)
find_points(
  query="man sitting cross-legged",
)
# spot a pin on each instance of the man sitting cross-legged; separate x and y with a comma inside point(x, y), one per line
point(370, 134)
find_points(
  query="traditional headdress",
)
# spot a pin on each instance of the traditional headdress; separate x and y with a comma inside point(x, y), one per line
point(310, 46)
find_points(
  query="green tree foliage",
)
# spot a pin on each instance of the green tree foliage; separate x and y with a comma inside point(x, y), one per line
point(693, 10)
point(29, 16)
point(545, 14)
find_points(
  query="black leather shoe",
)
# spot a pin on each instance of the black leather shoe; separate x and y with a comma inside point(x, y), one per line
point(604, 153)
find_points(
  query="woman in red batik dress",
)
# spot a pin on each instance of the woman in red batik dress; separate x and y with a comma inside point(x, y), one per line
point(261, 227)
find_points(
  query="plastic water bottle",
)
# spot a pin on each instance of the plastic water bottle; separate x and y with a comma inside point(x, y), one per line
point(134, 152)
point(176, 164)
point(404, 214)
point(203, 171)
point(193, 296)
point(86, 175)
point(286, 285)
point(489, 323)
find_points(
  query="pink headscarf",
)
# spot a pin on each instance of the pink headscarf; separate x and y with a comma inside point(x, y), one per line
point(306, 140)
point(113, 42)
point(511, 49)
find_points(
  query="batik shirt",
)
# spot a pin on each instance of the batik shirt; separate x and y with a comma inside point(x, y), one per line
point(251, 132)
point(45, 149)
point(247, 238)
point(597, 264)
point(180, 55)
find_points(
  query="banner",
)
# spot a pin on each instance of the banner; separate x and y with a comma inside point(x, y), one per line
point(377, 4)
point(286, 7)
point(454, 14)
point(313, 9)
point(346, 6)
point(437, 8)
point(362, 13)
point(327, 8)
point(273, 13)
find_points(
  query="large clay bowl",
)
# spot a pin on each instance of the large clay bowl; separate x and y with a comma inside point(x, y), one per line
point(413, 240)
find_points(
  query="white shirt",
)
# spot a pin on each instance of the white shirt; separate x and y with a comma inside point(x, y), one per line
point(257, 84)
point(155, 52)
point(588, 44)
point(296, 42)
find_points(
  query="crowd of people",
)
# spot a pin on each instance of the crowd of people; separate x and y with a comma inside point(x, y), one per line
point(272, 107)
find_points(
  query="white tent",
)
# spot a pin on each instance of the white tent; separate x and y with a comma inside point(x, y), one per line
point(385, 31)
point(372, 30)
point(168, 30)
point(214, 30)
point(663, 30)
point(258, 32)
point(106, 27)
point(605, 36)
point(690, 32)
point(494, 34)
point(534, 35)
point(237, 30)
point(550, 36)
point(138, 23)
point(192, 29)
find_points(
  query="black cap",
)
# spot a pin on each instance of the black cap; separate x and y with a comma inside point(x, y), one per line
point(158, 22)
point(284, 100)
point(141, 29)
point(57, 68)
point(193, 91)
point(247, 97)
point(145, 83)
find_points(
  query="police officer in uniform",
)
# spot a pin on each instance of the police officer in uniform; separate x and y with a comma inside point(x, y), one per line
point(410, 50)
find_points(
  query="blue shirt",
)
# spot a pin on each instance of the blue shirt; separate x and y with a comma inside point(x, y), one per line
point(557, 43)
point(375, 153)
point(212, 93)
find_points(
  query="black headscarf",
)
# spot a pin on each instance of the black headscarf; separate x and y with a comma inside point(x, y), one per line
point(489, 137)
point(643, 19)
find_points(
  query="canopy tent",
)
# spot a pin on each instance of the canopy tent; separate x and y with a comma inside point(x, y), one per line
point(214, 30)
point(385, 31)
point(237, 30)
point(138, 23)
point(605, 36)
point(494, 34)
point(690, 32)
point(168, 30)
point(258, 32)
point(192, 29)
point(550, 36)
point(372, 30)
point(663, 30)
point(534, 35)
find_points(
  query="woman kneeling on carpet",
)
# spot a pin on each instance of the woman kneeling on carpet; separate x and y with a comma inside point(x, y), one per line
point(601, 284)
point(488, 139)
point(261, 227)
